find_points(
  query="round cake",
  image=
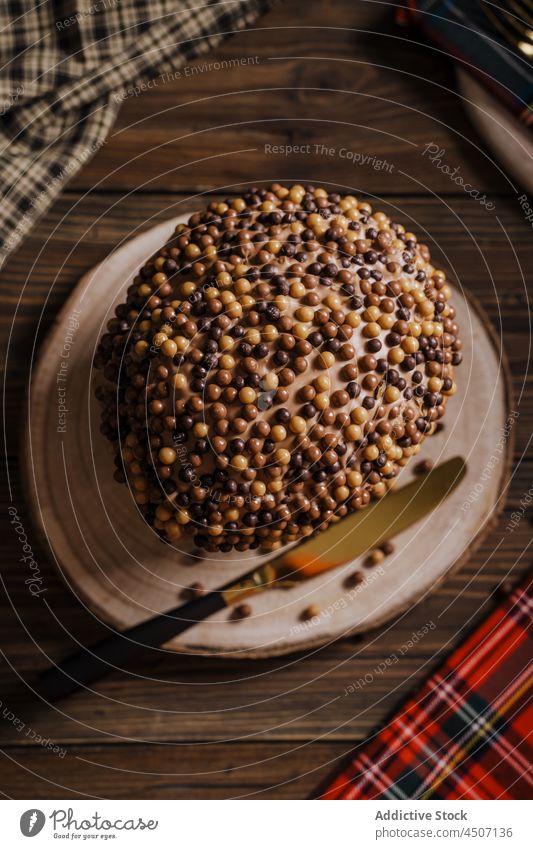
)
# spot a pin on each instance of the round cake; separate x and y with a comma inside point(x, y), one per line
point(274, 366)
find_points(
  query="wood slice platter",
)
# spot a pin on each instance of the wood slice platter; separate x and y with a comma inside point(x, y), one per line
point(120, 569)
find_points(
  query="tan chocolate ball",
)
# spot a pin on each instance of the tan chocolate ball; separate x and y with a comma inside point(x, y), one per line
point(275, 364)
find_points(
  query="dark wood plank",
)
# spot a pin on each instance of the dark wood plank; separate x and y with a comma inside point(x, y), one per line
point(338, 75)
point(210, 728)
point(305, 696)
point(227, 771)
point(490, 253)
point(203, 699)
point(490, 259)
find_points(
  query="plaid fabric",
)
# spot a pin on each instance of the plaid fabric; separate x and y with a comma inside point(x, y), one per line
point(466, 734)
point(485, 36)
point(64, 62)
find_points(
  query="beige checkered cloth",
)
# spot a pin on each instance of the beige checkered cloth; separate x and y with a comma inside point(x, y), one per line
point(63, 66)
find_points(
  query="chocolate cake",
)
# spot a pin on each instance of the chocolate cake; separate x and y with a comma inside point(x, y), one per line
point(274, 366)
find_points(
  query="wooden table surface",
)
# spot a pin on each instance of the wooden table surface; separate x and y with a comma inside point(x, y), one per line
point(337, 74)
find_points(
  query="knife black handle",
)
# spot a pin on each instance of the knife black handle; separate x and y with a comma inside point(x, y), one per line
point(92, 663)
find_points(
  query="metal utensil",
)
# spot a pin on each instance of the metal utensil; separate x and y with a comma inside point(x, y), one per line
point(341, 543)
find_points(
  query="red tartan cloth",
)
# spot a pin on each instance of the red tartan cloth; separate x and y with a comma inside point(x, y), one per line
point(467, 733)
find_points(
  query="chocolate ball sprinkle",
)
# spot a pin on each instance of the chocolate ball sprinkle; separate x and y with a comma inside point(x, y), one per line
point(273, 367)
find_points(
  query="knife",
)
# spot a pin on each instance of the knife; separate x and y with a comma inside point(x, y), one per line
point(345, 540)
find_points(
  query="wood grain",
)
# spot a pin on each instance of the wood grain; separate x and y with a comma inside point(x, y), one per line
point(119, 568)
point(335, 74)
point(242, 771)
point(284, 717)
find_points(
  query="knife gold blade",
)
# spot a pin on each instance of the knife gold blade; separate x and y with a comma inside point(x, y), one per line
point(355, 534)
point(347, 539)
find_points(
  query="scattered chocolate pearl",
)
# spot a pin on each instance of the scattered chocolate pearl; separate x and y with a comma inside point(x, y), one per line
point(242, 611)
point(274, 366)
point(310, 612)
point(196, 590)
point(354, 579)
point(375, 557)
point(387, 548)
point(423, 467)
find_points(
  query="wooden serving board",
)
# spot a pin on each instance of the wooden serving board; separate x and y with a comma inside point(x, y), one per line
point(120, 569)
